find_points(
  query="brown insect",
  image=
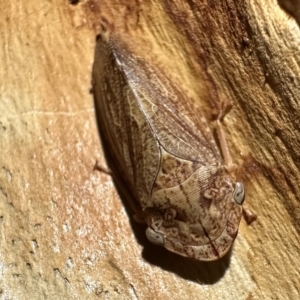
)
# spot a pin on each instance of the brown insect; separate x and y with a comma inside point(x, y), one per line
point(167, 156)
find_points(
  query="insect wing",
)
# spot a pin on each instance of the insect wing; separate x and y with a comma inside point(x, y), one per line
point(126, 130)
point(175, 120)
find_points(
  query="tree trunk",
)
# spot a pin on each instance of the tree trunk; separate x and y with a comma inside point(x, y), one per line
point(65, 232)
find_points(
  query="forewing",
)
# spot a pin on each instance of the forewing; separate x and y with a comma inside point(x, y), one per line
point(176, 121)
point(126, 129)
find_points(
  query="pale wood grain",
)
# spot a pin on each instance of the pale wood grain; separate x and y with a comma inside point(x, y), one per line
point(65, 233)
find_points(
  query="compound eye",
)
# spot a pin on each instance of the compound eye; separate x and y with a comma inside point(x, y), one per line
point(155, 237)
point(239, 193)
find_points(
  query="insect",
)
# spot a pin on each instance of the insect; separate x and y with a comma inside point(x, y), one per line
point(165, 152)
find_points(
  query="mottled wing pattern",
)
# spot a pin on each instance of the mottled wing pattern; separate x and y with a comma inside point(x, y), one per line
point(176, 121)
point(129, 136)
point(141, 111)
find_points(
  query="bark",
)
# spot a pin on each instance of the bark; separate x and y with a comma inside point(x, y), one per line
point(65, 233)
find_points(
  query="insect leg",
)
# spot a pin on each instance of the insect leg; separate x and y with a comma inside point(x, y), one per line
point(101, 168)
point(228, 162)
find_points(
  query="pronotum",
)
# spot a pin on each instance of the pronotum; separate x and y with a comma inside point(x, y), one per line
point(164, 150)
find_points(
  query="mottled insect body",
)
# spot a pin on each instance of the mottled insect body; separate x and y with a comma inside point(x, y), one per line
point(166, 154)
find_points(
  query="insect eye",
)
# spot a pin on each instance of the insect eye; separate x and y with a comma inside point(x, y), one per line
point(155, 237)
point(239, 193)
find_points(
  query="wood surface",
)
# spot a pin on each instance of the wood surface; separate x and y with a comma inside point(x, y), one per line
point(65, 232)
